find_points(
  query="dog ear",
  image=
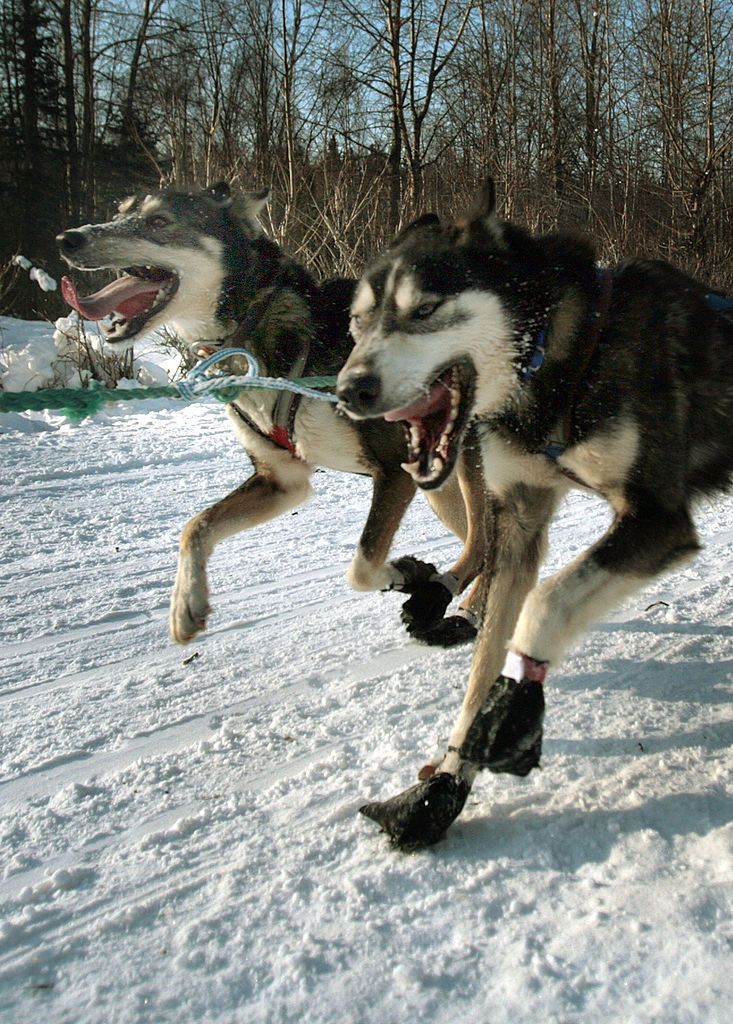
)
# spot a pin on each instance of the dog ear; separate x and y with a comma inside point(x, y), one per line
point(427, 220)
point(482, 225)
point(247, 207)
point(485, 205)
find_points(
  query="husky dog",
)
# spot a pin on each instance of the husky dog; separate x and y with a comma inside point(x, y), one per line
point(200, 263)
point(619, 382)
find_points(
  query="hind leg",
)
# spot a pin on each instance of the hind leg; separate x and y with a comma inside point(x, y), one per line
point(259, 499)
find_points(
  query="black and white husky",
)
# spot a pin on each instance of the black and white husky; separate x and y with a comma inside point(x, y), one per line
point(201, 264)
point(616, 381)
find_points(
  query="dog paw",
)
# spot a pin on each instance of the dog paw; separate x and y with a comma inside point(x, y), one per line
point(189, 613)
point(449, 632)
point(419, 816)
point(424, 610)
point(414, 573)
point(506, 734)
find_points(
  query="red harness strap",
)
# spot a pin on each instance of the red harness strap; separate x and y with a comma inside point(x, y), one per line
point(282, 439)
point(278, 435)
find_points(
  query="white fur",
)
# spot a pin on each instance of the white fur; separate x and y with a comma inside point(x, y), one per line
point(603, 462)
point(319, 440)
point(150, 204)
point(192, 312)
point(364, 300)
point(407, 295)
point(407, 363)
point(363, 575)
point(507, 464)
point(560, 609)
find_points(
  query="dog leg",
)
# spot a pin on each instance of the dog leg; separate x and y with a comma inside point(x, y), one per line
point(466, 511)
point(369, 569)
point(493, 712)
point(500, 726)
point(644, 540)
point(259, 499)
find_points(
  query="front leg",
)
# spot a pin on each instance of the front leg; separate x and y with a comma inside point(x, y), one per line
point(520, 524)
point(500, 725)
point(463, 505)
point(259, 499)
point(391, 495)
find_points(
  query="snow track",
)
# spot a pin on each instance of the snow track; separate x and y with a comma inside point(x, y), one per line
point(179, 834)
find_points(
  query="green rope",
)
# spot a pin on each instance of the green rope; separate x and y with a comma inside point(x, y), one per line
point(78, 403)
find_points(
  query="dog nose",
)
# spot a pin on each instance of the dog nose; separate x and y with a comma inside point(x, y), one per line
point(70, 241)
point(359, 393)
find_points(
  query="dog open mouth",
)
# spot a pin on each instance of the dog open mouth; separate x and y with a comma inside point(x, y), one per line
point(435, 424)
point(130, 302)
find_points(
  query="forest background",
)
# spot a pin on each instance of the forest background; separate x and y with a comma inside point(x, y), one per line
point(612, 117)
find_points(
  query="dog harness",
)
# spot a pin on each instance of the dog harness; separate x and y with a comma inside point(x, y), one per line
point(287, 403)
point(721, 304)
point(604, 277)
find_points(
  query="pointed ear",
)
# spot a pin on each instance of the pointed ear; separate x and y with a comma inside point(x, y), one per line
point(485, 205)
point(482, 224)
point(427, 220)
point(247, 207)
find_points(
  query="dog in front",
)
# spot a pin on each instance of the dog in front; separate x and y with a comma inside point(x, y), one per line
point(200, 263)
point(617, 381)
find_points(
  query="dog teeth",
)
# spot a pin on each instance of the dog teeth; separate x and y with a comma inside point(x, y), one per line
point(438, 465)
point(413, 468)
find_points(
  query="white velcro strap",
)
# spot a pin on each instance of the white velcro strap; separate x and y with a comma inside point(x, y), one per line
point(448, 580)
point(513, 666)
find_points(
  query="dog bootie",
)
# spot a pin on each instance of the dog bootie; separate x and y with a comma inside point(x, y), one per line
point(506, 734)
point(420, 815)
point(430, 592)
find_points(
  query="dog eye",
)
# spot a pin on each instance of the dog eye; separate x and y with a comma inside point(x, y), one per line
point(425, 310)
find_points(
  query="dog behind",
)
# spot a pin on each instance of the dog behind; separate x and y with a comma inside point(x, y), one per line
point(201, 264)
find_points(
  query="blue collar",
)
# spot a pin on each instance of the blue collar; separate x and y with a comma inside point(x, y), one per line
point(537, 357)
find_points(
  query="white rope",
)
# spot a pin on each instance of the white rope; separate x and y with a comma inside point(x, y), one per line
point(200, 383)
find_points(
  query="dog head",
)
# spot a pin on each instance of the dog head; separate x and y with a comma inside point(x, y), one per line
point(440, 324)
point(180, 256)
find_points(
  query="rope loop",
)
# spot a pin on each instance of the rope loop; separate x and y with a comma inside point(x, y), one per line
point(77, 403)
point(199, 383)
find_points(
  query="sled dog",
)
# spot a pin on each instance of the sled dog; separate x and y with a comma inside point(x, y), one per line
point(617, 381)
point(201, 264)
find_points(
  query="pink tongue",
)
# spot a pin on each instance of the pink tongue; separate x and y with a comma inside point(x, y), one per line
point(127, 296)
point(421, 406)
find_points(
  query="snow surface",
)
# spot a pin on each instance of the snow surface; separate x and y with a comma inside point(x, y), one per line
point(179, 836)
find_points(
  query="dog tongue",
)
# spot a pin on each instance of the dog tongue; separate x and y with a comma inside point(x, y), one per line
point(421, 406)
point(127, 295)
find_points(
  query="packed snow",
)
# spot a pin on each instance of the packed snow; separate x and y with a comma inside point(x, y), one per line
point(180, 840)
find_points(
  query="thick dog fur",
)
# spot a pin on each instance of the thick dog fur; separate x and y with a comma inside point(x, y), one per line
point(201, 264)
point(619, 382)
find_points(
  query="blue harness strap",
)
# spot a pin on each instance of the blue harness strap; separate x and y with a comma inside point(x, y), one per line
point(719, 303)
point(722, 304)
point(604, 277)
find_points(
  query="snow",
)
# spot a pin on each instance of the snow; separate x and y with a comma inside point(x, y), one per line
point(179, 829)
point(36, 355)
